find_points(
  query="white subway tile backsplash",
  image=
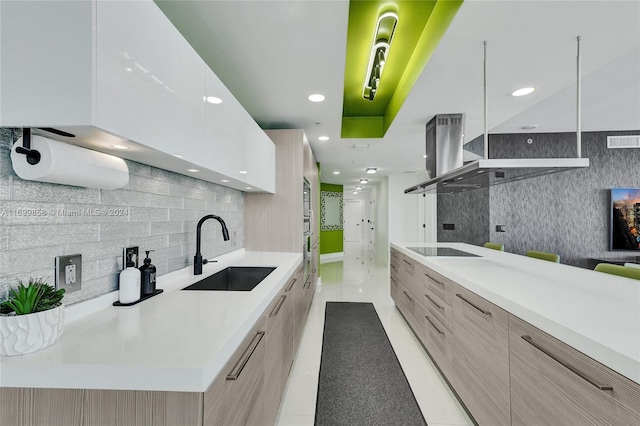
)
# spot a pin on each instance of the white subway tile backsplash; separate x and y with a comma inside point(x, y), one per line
point(158, 210)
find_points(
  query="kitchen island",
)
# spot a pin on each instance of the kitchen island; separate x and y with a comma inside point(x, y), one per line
point(174, 346)
point(497, 320)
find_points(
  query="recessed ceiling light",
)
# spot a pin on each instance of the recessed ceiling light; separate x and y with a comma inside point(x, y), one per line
point(243, 172)
point(336, 172)
point(424, 156)
point(529, 127)
point(177, 156)
point(123, 147)
point(524, 91)
point(248, 187)
point(224, 180)
point(193, 170)
point(371, 170)
point(358, 188)
point(355, 192)
point(129, 69)
point(213, 100)
point(316, 97)
point(364, 181)
point(323, 138)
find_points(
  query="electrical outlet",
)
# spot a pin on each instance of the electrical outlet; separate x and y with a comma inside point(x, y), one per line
point(501, 228)
point(69, 273)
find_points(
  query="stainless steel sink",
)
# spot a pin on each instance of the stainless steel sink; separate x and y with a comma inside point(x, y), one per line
point(233, 278)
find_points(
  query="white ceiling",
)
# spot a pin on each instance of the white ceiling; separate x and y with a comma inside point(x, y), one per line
point(273, 54)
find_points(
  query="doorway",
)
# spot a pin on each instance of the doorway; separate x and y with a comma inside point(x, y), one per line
point(353, 221)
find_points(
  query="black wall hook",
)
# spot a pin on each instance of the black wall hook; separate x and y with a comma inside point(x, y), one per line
point(33, 156)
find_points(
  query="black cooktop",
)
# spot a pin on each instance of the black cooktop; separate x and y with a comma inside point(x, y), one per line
point(442, 252)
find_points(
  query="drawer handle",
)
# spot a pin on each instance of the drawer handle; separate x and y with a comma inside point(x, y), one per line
point(301, 268)
point(314, 271)
point(433, 325)
point(307, 284)
point(395, 268)
point(293, 281)
point(474, 306)
point(276, 310)
point(393, 279)
point(408, 263)
point(434, 302)
point(434, 280)
point(244, 359)
point(574, 370)
point(408, 297)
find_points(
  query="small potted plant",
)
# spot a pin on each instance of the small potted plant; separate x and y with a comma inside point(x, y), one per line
point(31, 319)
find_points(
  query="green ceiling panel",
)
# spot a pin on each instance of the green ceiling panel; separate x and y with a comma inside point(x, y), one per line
point(421, 25)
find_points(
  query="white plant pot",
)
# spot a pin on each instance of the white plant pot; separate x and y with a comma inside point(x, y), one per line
point(23, 334)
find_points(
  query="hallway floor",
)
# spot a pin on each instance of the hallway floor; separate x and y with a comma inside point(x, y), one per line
point(358, 279)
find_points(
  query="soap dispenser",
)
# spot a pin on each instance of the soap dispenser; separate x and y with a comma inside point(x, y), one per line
point(129, 290)
point(148, 272)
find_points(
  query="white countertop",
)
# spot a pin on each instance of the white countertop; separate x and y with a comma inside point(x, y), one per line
point(175, 341)
point(595, 313)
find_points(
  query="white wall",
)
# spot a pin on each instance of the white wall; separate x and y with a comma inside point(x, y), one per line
point(404, 224)
point(381, 191)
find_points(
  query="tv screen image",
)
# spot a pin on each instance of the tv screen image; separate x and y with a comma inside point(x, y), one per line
point(625, 219)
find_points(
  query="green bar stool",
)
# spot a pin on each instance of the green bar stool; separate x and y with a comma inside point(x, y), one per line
point(623, 271)
point(551, 257)
point(494, 246)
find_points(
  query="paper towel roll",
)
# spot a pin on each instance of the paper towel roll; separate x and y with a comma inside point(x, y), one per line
point(70, 165)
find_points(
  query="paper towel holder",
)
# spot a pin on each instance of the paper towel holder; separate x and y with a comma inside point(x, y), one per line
point(33, 156)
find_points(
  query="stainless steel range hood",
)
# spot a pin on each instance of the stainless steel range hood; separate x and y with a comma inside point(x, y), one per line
point(450, 176)
point(488, 172)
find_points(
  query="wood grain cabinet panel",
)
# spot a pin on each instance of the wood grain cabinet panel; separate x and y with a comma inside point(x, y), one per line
point(275, 359)
point(553, 384)
point(438, 285)
point(481, 357)
point(438, 308)
point(438, 340)
point(87, 407)
point(236, 397)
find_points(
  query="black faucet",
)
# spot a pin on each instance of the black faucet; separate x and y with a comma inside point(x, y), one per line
point(197, 260)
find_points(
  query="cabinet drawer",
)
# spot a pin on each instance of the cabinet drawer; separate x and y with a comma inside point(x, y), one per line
point(438, 308)
point(394, 285)
point(236, 396)
point(438, 340)
point(438, 285)
point(553, 384)
point(481, 357)
point(409, 306)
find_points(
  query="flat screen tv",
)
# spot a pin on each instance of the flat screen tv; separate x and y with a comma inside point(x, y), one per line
point(625, 219)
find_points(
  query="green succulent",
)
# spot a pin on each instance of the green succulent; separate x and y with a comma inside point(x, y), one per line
point(36, 296)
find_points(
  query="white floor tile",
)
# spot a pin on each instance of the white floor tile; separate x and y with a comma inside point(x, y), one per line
point(357, 279)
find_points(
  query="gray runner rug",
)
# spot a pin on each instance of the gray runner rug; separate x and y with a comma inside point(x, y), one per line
point(361, 381)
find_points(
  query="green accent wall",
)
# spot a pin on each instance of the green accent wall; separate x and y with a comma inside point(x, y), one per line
point(331, 241)
point(420, 27)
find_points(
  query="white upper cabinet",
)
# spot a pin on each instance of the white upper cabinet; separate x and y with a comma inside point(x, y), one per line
point(261, 160)
point(119, 71)
point(150, 82)
point(46, 62)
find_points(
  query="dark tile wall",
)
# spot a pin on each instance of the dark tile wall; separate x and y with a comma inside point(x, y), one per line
point(566, 213)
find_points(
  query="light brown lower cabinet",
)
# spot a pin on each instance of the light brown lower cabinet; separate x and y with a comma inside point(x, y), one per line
point(504, 370)
point(247, 391)
point(87, 407)
point(236, 396)
point(553, 384)
point(481, 357)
